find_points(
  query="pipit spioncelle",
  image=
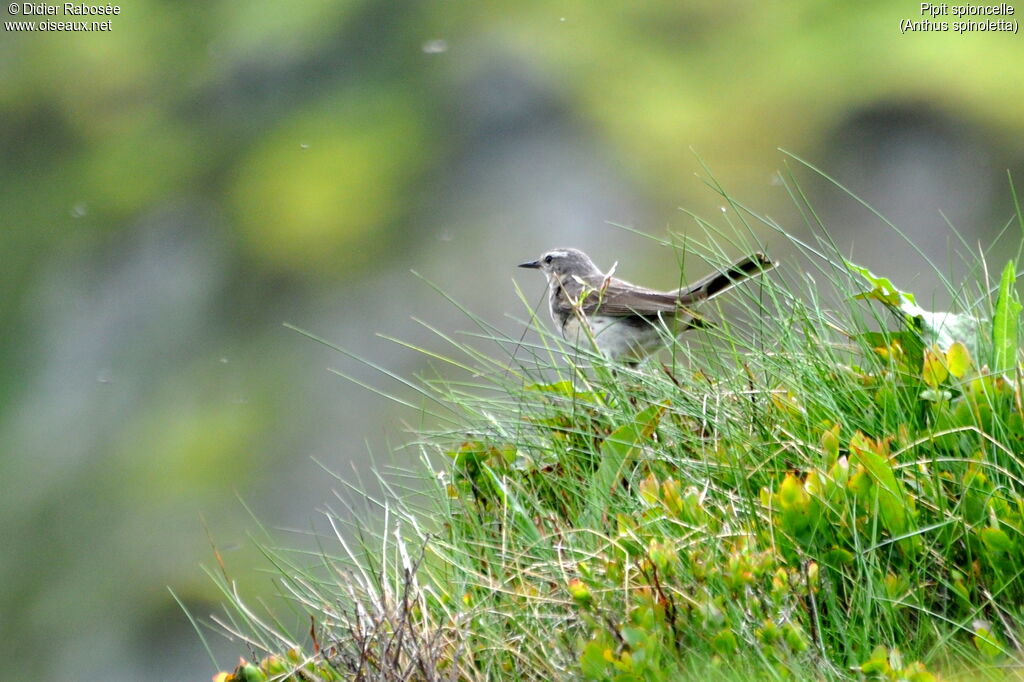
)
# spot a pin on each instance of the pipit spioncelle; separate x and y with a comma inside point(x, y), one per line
point(627, 322)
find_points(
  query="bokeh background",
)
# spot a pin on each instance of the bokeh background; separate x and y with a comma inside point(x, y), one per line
point(173, 190)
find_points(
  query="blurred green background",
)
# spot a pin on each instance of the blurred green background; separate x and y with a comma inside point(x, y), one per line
point(175, 189)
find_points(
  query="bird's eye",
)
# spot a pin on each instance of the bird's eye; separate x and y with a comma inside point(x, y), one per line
point(547, 259)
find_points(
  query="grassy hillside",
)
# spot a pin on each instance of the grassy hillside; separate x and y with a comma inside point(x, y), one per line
point(826, 483)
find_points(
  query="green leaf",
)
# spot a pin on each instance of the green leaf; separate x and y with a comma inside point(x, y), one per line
point(616, 450)
point(580, 593)
point(920, 675)
point(958, 359)
point(987, 641)
point(794, 637)
point(941, 328)
point(996, 540)
point(791, 493)
point(830, 446)
point(249, 673)
point(882, 288)
point(934, 370)
point(592, 661)
point(878, 664)
point(725, 642)
point(838, 556)
point(874, 667)
point(907, 342)
point(1006, 321)
point(567, 389)
point(894, 505)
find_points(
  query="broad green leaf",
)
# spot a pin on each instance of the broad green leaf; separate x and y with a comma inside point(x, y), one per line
point(567, 389)
point(996, 540)
point(958, 359)
point(830, 446)
point(895, 585)
point(941, 328)
point(987, 641)
point(977, 492)
point(616, 450)
point(906, 345)
point(860, 482)
point(580, 593)
point(838, 556)
point(916, 672)
point(882, 288)
point(1006, 321)
point(592, 660)
point(791, 493)
point(650, 491)
point(724, 642)
point(794, 637)
point(894, 505)
point(248, 672)
point(878, 664)
point(934, 370)
point(797, 503)
point(564, 387)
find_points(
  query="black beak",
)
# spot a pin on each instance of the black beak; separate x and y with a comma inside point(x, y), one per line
point(530, 264)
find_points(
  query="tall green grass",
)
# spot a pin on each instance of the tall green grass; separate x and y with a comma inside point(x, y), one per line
point(825, 483)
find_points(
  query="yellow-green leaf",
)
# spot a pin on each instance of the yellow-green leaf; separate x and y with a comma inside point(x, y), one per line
point(934, 370)
point(580, 593)
point(958, 359)
point(1005, 321)
point(791, 493)
point(724, 642)
point(895, 507)
point(830, 445)
point(616, 451)
point(987, 642)
point(996, 540)
point(882, 288)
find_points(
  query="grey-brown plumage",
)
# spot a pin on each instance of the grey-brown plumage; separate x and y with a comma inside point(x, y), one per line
point(622, 317)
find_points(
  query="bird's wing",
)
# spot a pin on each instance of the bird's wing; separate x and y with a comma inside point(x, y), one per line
point(617, 298)
point(621, 299)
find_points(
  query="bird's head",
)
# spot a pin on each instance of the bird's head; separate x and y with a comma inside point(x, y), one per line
point(564, 263)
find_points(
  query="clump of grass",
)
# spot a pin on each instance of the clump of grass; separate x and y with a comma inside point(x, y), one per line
point(826, 483)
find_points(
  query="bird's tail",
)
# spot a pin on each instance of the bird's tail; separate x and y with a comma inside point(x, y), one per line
point(717, 282)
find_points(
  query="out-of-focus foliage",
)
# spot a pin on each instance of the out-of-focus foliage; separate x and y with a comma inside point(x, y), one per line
point(333, 211)
point(173, 189)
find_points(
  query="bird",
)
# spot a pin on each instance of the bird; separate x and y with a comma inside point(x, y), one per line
point(625, 321)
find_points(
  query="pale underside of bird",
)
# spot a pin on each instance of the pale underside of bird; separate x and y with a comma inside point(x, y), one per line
point(624, 321)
